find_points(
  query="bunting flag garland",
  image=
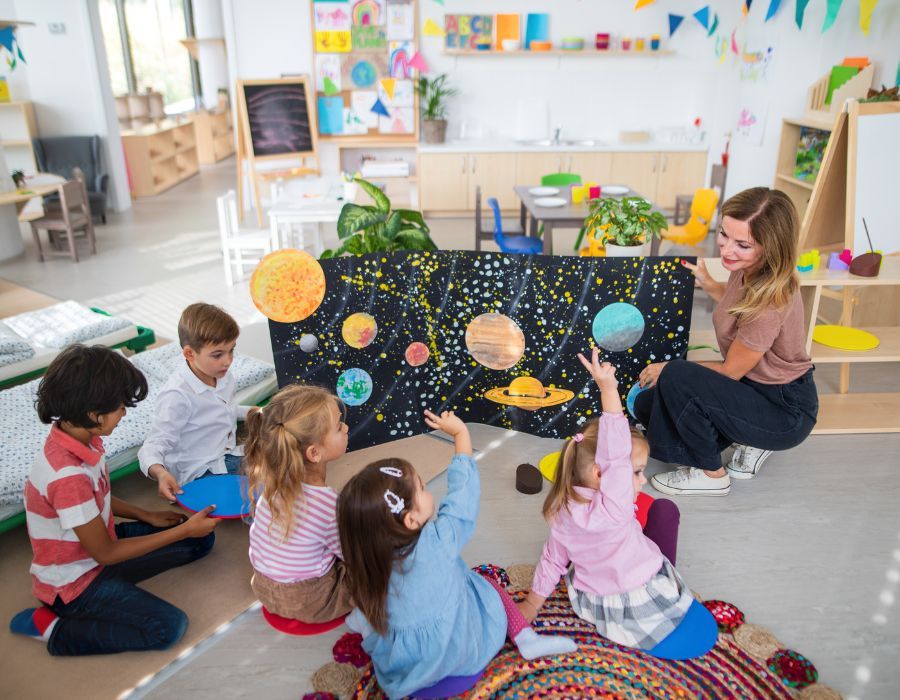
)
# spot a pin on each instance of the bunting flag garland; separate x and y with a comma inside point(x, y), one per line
point(379, 108)
point(734, 46)
point(10, 42)
point(330, 89)
point(746, 8)
point(773, 8)
point(715, 25)
point(866, 7)
point(831, 13)
point(418, 62)
point(801, 8)
point(674, 22)
point(642, 3)
point(702, 16)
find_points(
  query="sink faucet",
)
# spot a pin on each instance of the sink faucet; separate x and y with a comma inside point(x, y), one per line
point(557, 132)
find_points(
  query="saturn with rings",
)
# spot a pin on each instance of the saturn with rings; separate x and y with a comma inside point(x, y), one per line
point(528, 393)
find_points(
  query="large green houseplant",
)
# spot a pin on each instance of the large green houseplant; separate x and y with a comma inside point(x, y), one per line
point(368, 228)
point(629, 222)
point(433, 94)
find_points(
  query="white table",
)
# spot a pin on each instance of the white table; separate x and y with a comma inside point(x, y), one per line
point(315, 200)
point(13, 203)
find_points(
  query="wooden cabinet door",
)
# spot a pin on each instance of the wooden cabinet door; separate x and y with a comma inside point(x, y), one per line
point(496, 174)
point(531, 167)
point(679, 173)
point(593, 167)
point(443, 181)
point(637, 171)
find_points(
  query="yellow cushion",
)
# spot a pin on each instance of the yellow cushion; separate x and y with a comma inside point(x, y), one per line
point(845, 338)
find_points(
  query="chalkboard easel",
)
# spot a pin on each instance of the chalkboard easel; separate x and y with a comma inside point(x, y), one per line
point(275, 122)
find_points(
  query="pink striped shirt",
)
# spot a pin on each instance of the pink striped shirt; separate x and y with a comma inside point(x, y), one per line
point(313, 544)
point(68, 487)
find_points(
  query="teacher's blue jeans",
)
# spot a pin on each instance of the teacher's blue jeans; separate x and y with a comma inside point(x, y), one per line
point(693, 413)
point(113, 614)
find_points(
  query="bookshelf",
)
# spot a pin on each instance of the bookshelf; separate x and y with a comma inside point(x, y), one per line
point(17, 128)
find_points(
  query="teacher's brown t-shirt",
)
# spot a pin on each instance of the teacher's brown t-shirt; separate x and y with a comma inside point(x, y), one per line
point(777, 333)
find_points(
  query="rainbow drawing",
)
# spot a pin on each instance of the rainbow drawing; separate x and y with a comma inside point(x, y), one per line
point(366, 13)
point(399, 62)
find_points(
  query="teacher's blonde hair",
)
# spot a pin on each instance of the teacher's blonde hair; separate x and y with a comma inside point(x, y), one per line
point(772, 219)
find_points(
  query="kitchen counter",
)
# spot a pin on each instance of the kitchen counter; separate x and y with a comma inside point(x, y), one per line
point(567, 146)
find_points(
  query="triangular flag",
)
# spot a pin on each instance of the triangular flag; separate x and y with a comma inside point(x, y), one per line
point(734, 46)
point(714, 26)
point(831, 13)
point(418, 62)
point(798, 12)
point(866, 8)
point(746, 7)
point(388, 85)
point(674, 22)
point(379, 108)
point(439, 2)
point(432, 29)
point(643, 3)
point(702, 16)
point(773, 8)
point(329, 88)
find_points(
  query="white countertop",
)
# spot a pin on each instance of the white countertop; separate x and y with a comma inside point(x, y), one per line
point(488, 146)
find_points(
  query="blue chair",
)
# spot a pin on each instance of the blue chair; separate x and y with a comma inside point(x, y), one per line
point(512, 244)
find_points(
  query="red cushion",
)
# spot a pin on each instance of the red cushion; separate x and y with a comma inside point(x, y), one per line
point(304, 629)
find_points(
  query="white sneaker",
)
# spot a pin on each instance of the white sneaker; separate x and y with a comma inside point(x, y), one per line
point(689, 481)
point(746, 462)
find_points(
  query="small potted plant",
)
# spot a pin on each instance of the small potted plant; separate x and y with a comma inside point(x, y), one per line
point(18, 177)
point(433, 94)
point(626, 225)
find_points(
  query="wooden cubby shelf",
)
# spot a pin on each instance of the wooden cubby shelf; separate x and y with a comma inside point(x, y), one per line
point(160, 157)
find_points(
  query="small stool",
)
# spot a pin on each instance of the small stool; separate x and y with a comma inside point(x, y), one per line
point(301, 629)
point(448, 687)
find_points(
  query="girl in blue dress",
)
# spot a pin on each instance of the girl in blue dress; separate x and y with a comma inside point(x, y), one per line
point(423, 614)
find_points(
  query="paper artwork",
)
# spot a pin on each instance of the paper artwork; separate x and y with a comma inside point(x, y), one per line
point(399, 54)
point(354, 123)
point(367, 13)
point(755, 64)
point(332, 16)
point(400, 21)
point(400, 93)
point(331, 115)
point(751, 122)
point(361, 102)
point(368, 38)
point(467, 31)
point(333, 42)
point(400, 120)
point(363, 71)
point(328, 66)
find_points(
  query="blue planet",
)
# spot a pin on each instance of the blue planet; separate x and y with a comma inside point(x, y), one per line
point(618, 326)
point(635, 389)
point(354, 386)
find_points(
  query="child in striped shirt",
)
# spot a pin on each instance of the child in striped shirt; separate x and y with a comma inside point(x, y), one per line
point(298, 568)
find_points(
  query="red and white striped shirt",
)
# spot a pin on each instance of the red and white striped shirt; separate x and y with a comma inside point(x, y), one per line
point(68, 487)
point(313, 544)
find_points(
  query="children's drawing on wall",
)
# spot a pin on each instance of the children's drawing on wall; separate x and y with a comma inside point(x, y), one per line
point(328, 66)
point(491, 336)
point(400, 120)
point(400, 21)
point(400, 53)
point(367, 13)
point(810, 151)
point(332, 16)
point(756, 64)
point(751, 123)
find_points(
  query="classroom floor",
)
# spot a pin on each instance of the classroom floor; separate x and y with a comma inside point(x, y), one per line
point(810, 549)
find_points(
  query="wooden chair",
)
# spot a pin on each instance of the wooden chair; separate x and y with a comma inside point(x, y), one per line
point(235, 242)
point(74, 214)
point(484, 229)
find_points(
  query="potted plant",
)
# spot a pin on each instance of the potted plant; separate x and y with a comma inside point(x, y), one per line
point(433, 94)
point(626, 225)
point(374, 227)
point(18, 177)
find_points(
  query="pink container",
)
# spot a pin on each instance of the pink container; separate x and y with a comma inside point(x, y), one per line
point(626, 44)
point(594, 192)
point(602, 41)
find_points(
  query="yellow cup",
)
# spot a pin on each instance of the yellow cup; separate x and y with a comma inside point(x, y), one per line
point(578, 194)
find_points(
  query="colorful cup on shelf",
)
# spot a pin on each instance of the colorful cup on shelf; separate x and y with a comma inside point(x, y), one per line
point(626, 43)
point(639, 44)
point(592, 189)
point(483, 46)
point(602, 41)
point(654, 42)
point(578, 194)
point(541, 45)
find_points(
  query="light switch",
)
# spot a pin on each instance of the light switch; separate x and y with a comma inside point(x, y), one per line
point(57, 27)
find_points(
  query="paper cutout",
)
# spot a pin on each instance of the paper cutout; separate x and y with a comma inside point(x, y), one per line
point(367, 13)
point(467, 31)
point(773, 8)
point(674, 22)
point(362, 71)
point(398, 59)
point(430, 28)
point(422, 297)
point(400, 95)
point(380, 109)
point(831, 12)
point(507, 26)
point(10, 43)
point(715, 25)
point(400, 120)
point(754, 66)
point(721, 48)
point(329, 87)
point(333, 42)
point(288, 285)
point(368, 38)
point(866, 8)
point(328, 66)
point(331, 115)
point(332, 16)
point(734, 46)
point(839, 75)
point(746, 7)
point(418, 62)
point(361, 102)
point(643, 3)
point(702, 16)
point(400, 21)
point(799, 10)
point(388, 85)
point(537, 28)
point(751, 122)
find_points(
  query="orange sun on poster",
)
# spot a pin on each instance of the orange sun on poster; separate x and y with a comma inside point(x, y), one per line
point(288, 285)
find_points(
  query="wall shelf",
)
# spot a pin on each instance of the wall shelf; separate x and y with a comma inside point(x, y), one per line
point(616, 53)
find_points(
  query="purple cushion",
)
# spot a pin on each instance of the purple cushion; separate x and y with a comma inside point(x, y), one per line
point(448, 687)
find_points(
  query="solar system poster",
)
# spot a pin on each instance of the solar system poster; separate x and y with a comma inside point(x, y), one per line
point(490, 336)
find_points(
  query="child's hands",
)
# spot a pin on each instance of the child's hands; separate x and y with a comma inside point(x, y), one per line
point(168, 484)
point(200, 524)
point(164, 518)
point(603, 373)
point(447, 421)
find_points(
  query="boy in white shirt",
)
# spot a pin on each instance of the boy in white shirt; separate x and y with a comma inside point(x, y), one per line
point(193, 432)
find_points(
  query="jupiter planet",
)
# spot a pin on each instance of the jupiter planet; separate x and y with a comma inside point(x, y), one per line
point(495, 341)
point(359, 330)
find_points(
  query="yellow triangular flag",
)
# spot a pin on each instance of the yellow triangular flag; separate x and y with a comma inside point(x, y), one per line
point(388, 85)
point(431, 29)
point(643, 3)
point(866, 8)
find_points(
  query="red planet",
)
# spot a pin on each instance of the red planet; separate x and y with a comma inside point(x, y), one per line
point(417, 354)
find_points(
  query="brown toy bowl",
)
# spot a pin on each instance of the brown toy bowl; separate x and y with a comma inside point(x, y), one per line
point(866, 265)
point(528, 479)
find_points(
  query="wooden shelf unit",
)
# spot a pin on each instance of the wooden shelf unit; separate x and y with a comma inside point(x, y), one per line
point(17, 128)
point(215, 135)
point(614, 53)
point(160, 157)
point(798, 190)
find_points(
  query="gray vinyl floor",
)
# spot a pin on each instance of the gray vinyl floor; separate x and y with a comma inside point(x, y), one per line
point(810, 549)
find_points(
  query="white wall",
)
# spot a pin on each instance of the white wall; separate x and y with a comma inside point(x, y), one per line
point(66, 76)
point(601, 96)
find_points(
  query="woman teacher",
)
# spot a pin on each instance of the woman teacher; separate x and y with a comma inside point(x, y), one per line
point(762, 396)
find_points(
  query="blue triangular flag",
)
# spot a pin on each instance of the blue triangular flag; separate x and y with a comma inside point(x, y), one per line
point(702, 16)
point(674, 22)
point(773, 8)
point(379, 108)
point(799, 11)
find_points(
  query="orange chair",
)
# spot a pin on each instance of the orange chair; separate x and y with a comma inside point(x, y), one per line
point(703, 209)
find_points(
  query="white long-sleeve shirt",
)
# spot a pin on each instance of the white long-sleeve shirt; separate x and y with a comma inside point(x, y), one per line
point(194, 426)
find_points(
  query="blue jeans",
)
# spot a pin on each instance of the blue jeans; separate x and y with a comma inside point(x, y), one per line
point(693, 413)
point(112, 614)
point(233, 463)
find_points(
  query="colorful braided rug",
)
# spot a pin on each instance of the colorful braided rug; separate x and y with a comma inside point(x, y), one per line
point(734, 668)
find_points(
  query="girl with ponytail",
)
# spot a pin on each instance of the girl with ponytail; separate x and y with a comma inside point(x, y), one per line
point(298, 569)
